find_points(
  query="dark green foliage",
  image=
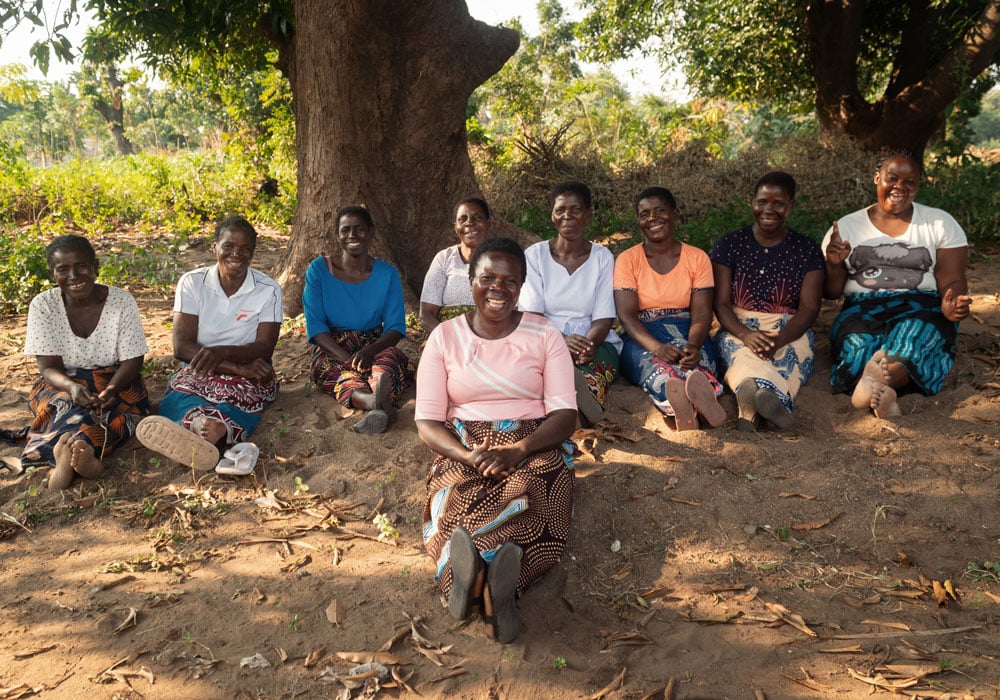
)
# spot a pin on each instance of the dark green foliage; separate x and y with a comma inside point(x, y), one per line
point(23, 272)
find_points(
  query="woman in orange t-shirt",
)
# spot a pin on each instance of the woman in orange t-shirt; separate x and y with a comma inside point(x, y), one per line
point(663, 294)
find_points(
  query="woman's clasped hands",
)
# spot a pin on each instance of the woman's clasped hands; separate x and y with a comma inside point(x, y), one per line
point(496, 462)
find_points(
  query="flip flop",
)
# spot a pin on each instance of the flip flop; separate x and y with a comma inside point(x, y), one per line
point(239, 460)
point(699, 390)
point(372, 423)
point(586, 402)
point(465, 567)
point(746, 392)
point(501, 586)
point(684, 416)
point(769, 407)
point(175, 442)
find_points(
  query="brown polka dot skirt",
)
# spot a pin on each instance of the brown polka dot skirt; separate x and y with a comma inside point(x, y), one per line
point(531, 508)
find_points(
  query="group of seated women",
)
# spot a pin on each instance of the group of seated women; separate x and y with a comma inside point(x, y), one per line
point(89, 344)
point(521, 350)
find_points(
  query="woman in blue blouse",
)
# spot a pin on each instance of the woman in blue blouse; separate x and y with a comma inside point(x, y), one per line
point(354, 313)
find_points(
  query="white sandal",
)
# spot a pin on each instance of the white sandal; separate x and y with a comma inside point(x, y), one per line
point(239, 460)
point(175, 442)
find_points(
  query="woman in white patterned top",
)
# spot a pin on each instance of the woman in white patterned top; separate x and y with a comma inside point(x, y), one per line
point(446, 294)
point(88, 341)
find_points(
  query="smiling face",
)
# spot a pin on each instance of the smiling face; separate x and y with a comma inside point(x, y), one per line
point(657, 219)
point(74, 272)
point(771, 205)
point(570, 214)
point(234, 252)
point(496, 285)
point(896, 184)
point(471, 225)
point(353, 233)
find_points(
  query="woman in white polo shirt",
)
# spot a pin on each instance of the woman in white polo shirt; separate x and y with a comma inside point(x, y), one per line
point(226, 322)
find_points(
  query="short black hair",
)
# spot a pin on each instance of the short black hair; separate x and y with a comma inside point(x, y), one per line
point(70, 243)
point(355, 210)
point(887, 154)
point(661, 192)
point(236, 223)
point(506, 246)
point(778, 178)
point(478, 201)
point(573, 187)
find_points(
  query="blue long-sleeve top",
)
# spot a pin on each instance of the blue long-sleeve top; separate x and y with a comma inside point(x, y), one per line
point(331, 304)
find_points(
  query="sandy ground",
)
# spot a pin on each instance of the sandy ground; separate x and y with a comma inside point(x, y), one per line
point(799, 564)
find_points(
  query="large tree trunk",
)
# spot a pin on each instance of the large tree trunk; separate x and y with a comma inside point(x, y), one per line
point(380, 90)
point(114, 111)
point(912, 110)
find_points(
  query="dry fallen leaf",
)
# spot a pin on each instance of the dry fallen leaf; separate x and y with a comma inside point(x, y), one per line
point(335, 612)
point(314, 656)
point(615, 684)
point(815, 524)
point(793, 619)
point(940, 594)
point(904, 559)
point(34, 652)
point(129, 621)
point(282, 655)
point(625, 571)
point(629, 639)
point(950, 589)
point(372, 657)
point(893, 625)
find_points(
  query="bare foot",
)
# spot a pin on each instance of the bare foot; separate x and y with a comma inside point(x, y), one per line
point(83, 460)
point(874, 376)
point(209, 429)
point(62, 474)
point(884, 402)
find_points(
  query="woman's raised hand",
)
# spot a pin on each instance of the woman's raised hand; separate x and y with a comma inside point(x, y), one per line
point(837, 249)
point(955, 307)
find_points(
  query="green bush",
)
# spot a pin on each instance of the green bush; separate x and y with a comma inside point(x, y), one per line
point(23, 270)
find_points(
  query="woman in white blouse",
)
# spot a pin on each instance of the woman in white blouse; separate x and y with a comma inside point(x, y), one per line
point(87, 339)
point(570, 282)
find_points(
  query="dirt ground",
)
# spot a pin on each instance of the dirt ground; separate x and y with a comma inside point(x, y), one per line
point(800, 564)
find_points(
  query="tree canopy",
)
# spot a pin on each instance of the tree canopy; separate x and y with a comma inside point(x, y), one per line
point(884, 73)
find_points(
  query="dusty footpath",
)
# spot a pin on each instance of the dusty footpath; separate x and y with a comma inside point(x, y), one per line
point(847, 557)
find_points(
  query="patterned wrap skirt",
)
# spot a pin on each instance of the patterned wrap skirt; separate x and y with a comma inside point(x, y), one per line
point(237, 402)
point(601, 371)
point(55, 414)
point(784, 374)
point(532, 507)
point(909, 326)
point(646, 370)
point(446, 313)
point(338, 378)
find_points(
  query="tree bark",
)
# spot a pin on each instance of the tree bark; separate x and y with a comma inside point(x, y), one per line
point(380, 89)
point(913, 108)
point(114, 111)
